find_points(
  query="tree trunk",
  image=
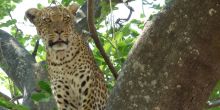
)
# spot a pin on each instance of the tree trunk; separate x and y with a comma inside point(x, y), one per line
point(175, 63)
point(22, 68)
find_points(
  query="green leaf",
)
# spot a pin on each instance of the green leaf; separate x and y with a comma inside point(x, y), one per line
point(40, 6)
point(134, 33)
point(8, 23)
point(142, 15)
point(168, 1)
point(66, 2)
point(45, 86)
point(10, 105)
point(81, 2)
point(49, 1)
point(216, 92)
point(157, 6)
point(141, 26)
point(40, 97)
point(126, 30)
point(135, 21)
point(152, 16)
point(214, 108)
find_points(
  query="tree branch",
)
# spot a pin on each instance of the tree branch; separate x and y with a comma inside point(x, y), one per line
point(34, 53)
point(18, 65)
point(120, 21)
point(213, 103)
point(16, 98)
point(94, 35)
point(21, 67)
point(82, 24)
point(5, 96)
point(17, 29)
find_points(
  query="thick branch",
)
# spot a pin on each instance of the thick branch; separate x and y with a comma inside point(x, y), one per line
point(94, 35)
point(18, 64)
point(21, 67)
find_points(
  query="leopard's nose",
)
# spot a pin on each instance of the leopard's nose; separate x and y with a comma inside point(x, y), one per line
point(59, 32)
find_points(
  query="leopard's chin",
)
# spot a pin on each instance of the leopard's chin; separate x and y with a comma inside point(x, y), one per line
point(59, 47)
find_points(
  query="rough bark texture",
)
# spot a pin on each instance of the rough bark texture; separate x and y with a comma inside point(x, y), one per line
point(175, 63)
point(21, 67)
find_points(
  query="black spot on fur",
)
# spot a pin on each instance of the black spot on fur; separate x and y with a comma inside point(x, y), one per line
point(59, 96)
point(67, 93)
point(80, 90)
point(59, 86)
point(65, 101)
point(66, 87)
point(87, 78)
point(73, 105)
point(61, 81)
point(86, 92)
point(83, 83)
point(81, 71)
point(81, 76)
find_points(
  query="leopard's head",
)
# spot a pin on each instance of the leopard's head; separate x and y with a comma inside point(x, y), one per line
point(54, 24)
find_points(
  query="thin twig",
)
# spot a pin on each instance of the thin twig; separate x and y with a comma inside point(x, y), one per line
point(17, 29)
point(142, 5)
point(94, 35)
point(5, 96)
point(34, 53)
point(120, 21)
point(16, 98)
point(112, 19)
point(213, 103)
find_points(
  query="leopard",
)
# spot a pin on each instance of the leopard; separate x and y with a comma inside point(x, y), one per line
point(77, 82)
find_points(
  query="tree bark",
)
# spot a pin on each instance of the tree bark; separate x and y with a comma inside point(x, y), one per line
point(175, 63)
point(21, 67)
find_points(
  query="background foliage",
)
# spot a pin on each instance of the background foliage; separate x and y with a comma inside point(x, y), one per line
point(117, 40)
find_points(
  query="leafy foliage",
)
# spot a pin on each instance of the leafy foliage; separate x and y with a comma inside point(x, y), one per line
point(11, 106)
point(7, 6)
point(45, 92)
point(8, 23)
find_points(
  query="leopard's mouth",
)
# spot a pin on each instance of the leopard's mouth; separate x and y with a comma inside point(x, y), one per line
point(58, 42)
point(58, 45)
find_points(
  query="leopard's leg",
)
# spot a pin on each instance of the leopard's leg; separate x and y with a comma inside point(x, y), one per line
point(61, 92)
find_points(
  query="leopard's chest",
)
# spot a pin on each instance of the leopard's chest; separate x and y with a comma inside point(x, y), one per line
point(75, 82)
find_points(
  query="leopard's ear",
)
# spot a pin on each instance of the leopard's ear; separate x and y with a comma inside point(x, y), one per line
point(73, 8)
point(31, 14)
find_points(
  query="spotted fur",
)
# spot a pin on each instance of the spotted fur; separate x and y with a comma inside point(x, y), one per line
point(76, 81)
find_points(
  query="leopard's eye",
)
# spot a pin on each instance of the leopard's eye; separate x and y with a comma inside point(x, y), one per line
point(46, 19)
point(66, 18)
